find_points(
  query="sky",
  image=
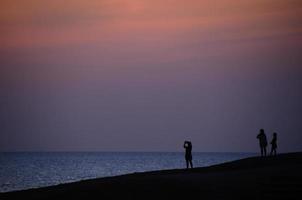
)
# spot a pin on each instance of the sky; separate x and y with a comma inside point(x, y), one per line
point(145, 75)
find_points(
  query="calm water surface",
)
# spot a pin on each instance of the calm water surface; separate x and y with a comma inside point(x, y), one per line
point(31, 170)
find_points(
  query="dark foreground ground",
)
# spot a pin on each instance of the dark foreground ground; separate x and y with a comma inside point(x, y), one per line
point(277, 177)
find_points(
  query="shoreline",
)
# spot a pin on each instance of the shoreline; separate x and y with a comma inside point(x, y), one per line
point(271, 177)
point(22, 171)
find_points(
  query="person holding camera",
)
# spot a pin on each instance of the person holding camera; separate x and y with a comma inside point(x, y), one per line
point(188, 154)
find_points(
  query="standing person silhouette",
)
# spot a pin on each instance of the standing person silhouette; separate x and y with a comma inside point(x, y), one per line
point(262, 142)
point(188, 155)
point(274, 144)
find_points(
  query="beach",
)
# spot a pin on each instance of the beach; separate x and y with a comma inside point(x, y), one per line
point(271, 177)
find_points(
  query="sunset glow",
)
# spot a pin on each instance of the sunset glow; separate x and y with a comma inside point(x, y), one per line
point(109, 72)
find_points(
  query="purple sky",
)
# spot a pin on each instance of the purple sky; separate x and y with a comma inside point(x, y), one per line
point(145, 75)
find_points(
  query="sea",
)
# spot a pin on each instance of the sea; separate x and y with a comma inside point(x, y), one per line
point(19, 171)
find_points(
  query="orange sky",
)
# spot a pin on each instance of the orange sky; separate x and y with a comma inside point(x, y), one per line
point(118, 33)
point(42, 23)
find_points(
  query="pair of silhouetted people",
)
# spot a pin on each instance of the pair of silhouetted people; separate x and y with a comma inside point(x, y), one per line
point(188, 154)
point(263, 143)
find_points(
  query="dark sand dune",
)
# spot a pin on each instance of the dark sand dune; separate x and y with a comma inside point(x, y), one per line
point(277, 177)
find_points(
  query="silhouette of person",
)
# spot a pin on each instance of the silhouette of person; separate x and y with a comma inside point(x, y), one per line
point(188, 155)
point(262, 142)
point(274, 144)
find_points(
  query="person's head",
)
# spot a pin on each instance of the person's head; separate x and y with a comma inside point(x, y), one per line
point(261, 130)
point(275, 134)
point(188, 143)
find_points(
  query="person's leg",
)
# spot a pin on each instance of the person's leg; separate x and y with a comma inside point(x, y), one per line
point(191, 163)
point(187, 162)
point(264, 150)
point(261, 151)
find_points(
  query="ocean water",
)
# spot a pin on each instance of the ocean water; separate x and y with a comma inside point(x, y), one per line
point(20, 171)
